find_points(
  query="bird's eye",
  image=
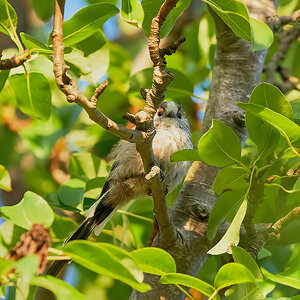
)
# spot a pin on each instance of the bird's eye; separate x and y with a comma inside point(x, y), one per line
point(160, 113)
point(179, 115)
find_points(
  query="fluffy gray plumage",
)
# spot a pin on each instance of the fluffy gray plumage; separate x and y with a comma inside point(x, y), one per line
point(126, 179)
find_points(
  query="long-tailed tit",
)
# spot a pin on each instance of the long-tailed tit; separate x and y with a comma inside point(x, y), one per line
point(126, 178)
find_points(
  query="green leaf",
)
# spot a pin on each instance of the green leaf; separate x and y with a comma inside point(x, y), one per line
point(71, 193)
point(60, 229)
point(225, 204)
point(262, 36)
point(282, 279)
point(132, 12)
point(5, 265)
point(3, 77)
point(5, 180)
point(243, 257)
point(185, 155)
point(151, 8)
point(115, 263)
point(219, 146)
point(43, 8)
point(235, 15)
point(154, 261)
point(232, 273)
point(92, 43)
point(232, 235)
point(94, 187)
point(33, 94)
point(190, 281)
point(59, 288)
point(285, 126)
point(25, 268)
point(230, 178)
point(87, 21)
point(88, 166)
point(8, 18)
point(33, 44)
point(260, 132)
point(33, 209)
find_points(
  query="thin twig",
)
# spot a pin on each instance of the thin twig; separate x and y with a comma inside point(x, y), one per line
point(144, 132)
point(279, 22)
point(67, 85)
point(286, 38)
point(15, 61)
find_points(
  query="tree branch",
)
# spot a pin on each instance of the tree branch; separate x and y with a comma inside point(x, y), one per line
point(274, 232)
point(67, 85)
point(144, 132)
point(15, 61)
point(286, 38)
point(279, 22)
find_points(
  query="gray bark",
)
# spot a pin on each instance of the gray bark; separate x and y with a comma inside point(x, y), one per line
point(237, 70)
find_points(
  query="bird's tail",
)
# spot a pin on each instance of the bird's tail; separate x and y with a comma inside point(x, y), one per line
point(101, 214)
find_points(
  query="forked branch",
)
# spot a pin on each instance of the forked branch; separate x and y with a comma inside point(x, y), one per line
point(67, 85)
point(144, 132)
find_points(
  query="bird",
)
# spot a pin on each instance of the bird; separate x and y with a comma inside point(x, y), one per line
point(126, 179)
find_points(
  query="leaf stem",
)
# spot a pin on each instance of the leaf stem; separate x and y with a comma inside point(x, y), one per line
point(134, 215)
point(13, 35)
point(185, 292)
point(213, 295)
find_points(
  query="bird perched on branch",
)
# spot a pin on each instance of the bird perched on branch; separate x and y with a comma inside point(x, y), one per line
point(126, 179)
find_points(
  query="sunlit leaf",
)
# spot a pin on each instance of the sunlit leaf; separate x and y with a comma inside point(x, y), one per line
point(287, 279)
point(31, 210)
point(33, 94)
point(185, 155)
point(261, 35)
point(233, 273)
point(154, 261)
point(132, 12)
point(285, 126)
point(59, 288)
point(5, 180)
point(5, 265)
point(87, 21)
point(235, 15)
point(261, 133)
point(219, 146)
point(232, 235)
point(116, 264)
point(87, 165)
point(31, 43)
point(3, 77)
point(190, 281)
point(243, 257)
point(8, 18)
point(230, 178)
point(225, 204)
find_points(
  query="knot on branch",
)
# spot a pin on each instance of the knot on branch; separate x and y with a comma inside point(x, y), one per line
point(14, 61)
point(144, 92)
point(98, 91)
point(170, 49)
point(71, 98)
point(155, 171)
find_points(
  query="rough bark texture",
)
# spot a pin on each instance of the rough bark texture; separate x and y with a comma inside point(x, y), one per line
point(237, 70)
